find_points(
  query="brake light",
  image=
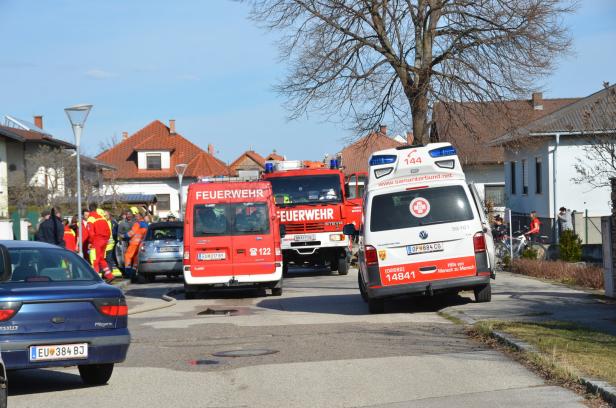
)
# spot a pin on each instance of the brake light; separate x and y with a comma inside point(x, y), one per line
point(8, 310)
point(479, 242)
point(371, 256)
point(112, 307)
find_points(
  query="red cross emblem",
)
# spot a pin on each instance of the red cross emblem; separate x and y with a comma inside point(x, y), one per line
point(419, 207)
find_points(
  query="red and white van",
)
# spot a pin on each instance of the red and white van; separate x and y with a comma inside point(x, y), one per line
point(424, 228)
point(231, 237)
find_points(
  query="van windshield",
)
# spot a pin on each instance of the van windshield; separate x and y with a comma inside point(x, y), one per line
point(310, 189)
point(407, 209)
point(230, 219)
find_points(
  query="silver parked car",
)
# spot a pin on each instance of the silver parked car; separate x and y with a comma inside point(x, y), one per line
point(161, 252)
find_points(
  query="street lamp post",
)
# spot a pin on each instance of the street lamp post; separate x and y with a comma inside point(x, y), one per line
point(77, 115)
point(180, 169)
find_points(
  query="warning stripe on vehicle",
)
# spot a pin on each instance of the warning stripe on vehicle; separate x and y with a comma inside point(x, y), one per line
point(428, 271)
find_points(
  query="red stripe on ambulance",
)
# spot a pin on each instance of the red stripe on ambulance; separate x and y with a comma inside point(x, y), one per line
point(432, 271)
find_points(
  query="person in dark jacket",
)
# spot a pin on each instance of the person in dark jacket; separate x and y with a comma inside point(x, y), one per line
point(51, 230)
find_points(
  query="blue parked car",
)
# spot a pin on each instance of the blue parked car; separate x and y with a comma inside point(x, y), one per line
point(55, 311)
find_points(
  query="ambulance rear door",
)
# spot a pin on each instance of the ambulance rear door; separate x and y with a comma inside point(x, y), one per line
point(212, 247)
point(254, 251)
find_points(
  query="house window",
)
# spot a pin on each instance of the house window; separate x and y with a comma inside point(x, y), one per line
point(495, 195)
point(524, 177)
point(513, 180)
point(538, 175)
point(153, 161)
point(163, 202)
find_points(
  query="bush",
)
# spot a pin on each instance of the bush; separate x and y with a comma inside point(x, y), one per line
point(589, 276)
point(529, 253)
point(570, 247)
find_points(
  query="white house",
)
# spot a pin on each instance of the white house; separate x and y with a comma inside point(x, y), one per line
point(540, 161)
point(470, 126)
point(146, 163)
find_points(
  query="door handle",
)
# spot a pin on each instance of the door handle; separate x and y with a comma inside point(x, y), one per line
point(241, 251)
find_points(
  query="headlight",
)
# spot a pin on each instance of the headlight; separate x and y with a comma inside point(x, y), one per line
point(336, 237)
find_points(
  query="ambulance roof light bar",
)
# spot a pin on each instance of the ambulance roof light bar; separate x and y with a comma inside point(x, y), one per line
point(382, 159)
point(443, 151)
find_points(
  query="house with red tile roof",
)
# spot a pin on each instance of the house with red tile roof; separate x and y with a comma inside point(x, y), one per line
point(470, 126)
point(249, 165)
point(354, 157)
point(146, 161)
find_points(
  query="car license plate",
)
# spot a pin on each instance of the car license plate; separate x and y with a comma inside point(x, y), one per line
point(424, 248)
point(305, 237)
point(211, 256)
point(169, 249)
point(59, 352)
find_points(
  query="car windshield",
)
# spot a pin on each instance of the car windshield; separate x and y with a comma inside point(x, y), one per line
point(407, 209)
point(306, 189)
point(164, 233)
point(231, 219)
point(49, 265)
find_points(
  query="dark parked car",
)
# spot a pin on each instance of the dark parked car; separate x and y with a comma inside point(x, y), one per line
point(55, 311)
point(161, 251)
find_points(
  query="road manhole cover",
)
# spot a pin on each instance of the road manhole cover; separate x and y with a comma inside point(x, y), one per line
point(203, 362)
point(244, 353)
point(224, 312)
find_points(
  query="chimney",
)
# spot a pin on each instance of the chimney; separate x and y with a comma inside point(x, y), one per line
point(383, 129)
point(38, 122)
point(409, 137)
point(172, 126)
point(210, 149)
point(537, 100)
point(124, 135)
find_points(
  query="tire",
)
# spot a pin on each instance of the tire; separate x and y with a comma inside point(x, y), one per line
point(376, 306)
point(483, 294)
point(189, 293)
point(150, 278)
point(277, 288)
point(95, 374)
point(362, 287)
point(334, 264)
point(343, 266)
point(3, 395)
point(285, 269)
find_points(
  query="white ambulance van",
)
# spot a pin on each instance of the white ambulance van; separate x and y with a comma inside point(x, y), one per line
point(424, 229)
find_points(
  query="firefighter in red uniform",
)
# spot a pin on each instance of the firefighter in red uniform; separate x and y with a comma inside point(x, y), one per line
point(98, 235)
point(70, 238)
point(135, 235)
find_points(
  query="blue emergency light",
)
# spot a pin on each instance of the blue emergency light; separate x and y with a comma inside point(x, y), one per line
point(333, 164)
point(269, 167)
point(443, 151)
point(383, 159)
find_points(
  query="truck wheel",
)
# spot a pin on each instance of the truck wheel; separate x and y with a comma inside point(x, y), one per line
point(483, 293)
point(277, 288)
point(343, 266)
point(376, 306)
point(362, 287)
point(334, 264)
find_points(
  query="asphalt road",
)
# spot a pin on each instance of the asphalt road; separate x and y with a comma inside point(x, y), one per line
point(320, 348)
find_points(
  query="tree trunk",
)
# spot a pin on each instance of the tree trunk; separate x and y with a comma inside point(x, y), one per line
point(419, 112)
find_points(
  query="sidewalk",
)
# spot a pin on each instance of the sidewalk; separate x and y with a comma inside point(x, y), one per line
point(520, 298)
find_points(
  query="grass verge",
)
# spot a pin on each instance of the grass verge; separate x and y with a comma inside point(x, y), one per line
point(567, 351)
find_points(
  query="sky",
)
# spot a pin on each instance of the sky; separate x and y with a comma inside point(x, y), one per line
point(204, 64)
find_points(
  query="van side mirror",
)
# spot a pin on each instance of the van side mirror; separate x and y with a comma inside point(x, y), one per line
point(349, 229)
point(283, 231)
point(5, 264)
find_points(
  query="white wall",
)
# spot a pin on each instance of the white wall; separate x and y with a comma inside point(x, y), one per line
point(532, 201)
point(482, 174)
point(579, 197)
point(4, 190)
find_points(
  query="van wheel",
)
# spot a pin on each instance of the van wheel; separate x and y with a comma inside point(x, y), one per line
point(95, 374)
point(189, 293)
point(376, 306)
point(362, 287)
point(277, 288)
point(483, 293)
point(343, 266)
point(285, 269)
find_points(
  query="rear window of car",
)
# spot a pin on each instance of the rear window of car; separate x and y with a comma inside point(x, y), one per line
point(34, 265)
point(231, 219)
point(164, 232)
point(415, 208)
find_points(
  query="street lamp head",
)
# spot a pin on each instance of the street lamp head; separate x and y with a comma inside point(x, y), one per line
point(78, 114)
point(180, 169)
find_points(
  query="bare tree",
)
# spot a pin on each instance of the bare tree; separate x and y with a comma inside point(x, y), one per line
point(598, 164)
point(373, 59)
point(108, 143)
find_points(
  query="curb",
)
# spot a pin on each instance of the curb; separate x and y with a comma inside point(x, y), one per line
point(593, 386)
point(170, 301)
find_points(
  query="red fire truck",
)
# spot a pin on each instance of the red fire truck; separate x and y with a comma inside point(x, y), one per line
point(313, 208)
